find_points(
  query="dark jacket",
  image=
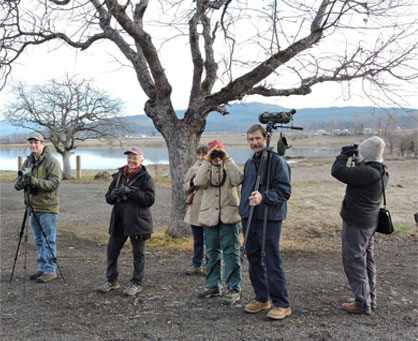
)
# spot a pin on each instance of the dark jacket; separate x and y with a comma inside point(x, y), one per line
point(46, 173)
point(275, 198)
point(363, 194)
point(132, 215)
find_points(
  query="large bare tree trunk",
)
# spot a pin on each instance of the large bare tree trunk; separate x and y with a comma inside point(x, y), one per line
point(66, 171)
point(182, 138)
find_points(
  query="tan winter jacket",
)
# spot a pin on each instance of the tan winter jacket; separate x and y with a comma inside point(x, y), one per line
point(220, 195)
point(192, 213)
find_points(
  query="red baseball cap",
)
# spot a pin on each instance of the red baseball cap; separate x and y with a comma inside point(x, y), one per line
point(217, 143)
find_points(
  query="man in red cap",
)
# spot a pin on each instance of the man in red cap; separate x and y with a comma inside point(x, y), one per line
point(218, 177)
point(131, 193)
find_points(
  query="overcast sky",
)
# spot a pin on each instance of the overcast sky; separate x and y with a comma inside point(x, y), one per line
point(42, 63)
point(39, 65)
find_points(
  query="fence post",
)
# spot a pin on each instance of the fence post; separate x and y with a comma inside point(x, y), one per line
point(19, 163)
point(78, 167)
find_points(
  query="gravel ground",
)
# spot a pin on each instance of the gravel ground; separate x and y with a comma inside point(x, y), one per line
point(167, 308)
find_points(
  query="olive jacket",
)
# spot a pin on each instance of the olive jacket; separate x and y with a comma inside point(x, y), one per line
point(46, 178)
point(220, 194)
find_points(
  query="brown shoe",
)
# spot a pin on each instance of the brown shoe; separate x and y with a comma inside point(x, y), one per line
point(45, 278)
point(256, 306)
point(36, 275)
point(277, 313)
point(372, 305)
point(194, 270)
point(351, 308)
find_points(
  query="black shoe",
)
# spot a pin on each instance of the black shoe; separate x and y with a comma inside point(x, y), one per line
point(209, 293)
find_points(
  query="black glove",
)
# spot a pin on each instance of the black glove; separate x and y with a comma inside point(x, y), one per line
point(114, 193)
point(349, 151)
point(125, 191)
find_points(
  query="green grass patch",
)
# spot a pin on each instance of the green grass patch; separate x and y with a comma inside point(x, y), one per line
point(404, 230)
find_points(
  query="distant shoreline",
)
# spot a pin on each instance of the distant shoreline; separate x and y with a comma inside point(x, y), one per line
point(233, 140)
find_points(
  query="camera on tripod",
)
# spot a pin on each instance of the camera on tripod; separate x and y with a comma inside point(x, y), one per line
point(281, 117)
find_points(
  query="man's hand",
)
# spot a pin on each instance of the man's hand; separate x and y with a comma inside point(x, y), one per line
point(19, 185)
point(27, 180)
point(255, 199)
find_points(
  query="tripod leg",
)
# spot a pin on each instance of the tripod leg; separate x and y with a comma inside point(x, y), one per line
point(54, 259)
point(25, 262)
point(20, 239)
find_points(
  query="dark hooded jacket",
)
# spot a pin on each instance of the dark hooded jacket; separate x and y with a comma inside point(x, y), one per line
point(275, 197)
point(132, 215)
point(363, 194)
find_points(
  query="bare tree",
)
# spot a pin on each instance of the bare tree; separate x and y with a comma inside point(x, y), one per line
point(237, 48)
point(66, 111)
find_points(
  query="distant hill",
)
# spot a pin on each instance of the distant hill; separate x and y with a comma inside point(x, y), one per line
point(241, 116)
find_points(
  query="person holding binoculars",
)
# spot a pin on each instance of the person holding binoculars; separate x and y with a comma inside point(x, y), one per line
point(359, 211)
point(218, 178)
point(40, 178)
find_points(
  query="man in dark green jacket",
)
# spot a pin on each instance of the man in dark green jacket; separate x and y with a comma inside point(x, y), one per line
point(42, 179)
point(359, 211)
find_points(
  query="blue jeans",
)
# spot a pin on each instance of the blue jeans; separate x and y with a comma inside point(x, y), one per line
point(198, 245)
point(223, 240)
point(46, 261)
point(269, 282)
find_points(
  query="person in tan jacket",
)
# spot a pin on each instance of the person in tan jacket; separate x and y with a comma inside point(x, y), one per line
point(192, 214)
point(218, 178)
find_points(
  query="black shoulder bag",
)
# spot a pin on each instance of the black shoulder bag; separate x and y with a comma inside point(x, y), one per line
point(384, 224)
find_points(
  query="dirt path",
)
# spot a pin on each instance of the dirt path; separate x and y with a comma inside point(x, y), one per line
point(168, 309)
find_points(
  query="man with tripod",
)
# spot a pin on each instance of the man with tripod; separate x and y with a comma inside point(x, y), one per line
point(263, 231)
point(41, 174)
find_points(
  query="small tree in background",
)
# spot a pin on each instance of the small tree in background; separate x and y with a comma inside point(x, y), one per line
point(66, 111)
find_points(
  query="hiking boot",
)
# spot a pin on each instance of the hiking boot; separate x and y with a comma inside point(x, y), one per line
point(132, 290)
point(351, 308)
point(36, 275)
point(231, 296)
point(194, 270)
point(45, 278)
point(108, 287)
point(209, 293)
point(372, 305)
point(277, 313)
point(256, 306)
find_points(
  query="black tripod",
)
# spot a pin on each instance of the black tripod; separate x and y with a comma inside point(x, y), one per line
point(29, 210)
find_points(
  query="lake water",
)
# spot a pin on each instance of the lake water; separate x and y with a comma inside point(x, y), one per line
point(112, 158)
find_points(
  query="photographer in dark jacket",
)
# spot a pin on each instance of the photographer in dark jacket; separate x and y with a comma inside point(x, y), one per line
point(360, 216)
point(132, 193)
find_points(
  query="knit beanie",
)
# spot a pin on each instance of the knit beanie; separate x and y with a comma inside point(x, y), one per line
point(217, 143)
point(371, 149)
